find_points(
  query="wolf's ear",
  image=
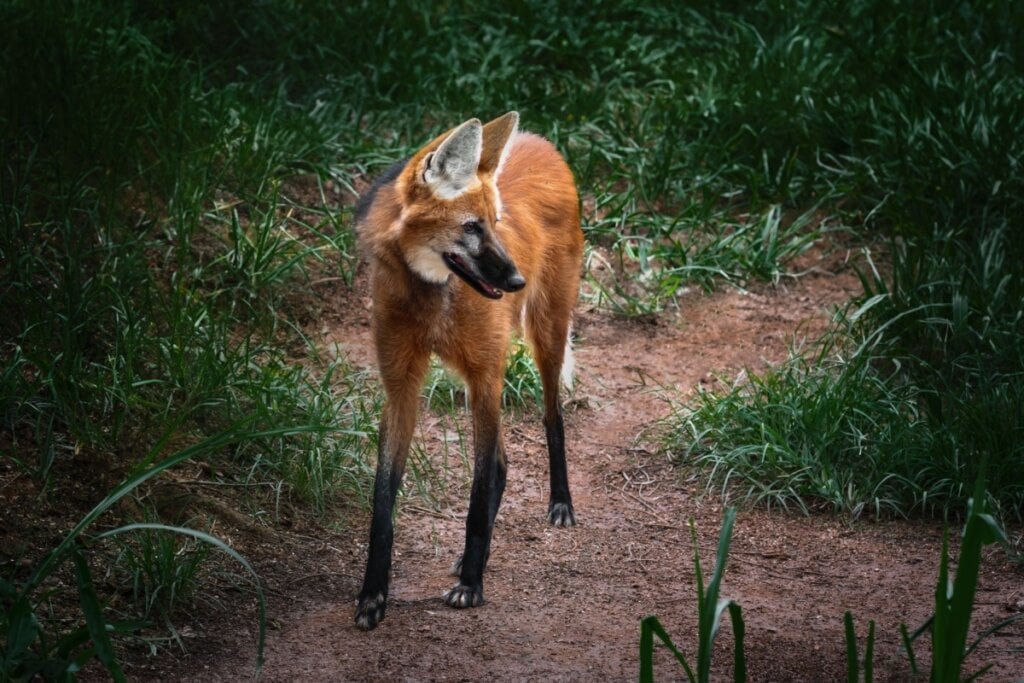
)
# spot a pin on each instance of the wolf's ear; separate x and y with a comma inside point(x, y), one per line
point(496, 136)
point(451, 168)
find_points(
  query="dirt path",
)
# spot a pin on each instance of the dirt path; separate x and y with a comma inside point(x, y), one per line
point(566, 604)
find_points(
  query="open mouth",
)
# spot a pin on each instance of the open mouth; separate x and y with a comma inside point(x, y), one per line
point(459, 266)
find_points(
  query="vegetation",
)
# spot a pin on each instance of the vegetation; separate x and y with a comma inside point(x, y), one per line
point(912, 123)
point(30, 650)
point(174, 179)
point(954, 598)
point(948, 625)
point(709, 615)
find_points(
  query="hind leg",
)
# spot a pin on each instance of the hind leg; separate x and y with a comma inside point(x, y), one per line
point(549, 341)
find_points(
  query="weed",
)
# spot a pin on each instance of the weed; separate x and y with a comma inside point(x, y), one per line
point(954, 602)
point(949, 625)
point(162, 570)
point(709, 614)
point(29, 651)
point(854, 664)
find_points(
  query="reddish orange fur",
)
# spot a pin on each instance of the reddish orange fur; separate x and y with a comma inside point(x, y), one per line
point(420, 307)
point(540, 229)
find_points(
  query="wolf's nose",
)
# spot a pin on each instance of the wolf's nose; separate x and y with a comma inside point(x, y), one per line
point(515, 282)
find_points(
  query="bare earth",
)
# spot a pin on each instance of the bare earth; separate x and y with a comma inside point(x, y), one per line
point(566, 604)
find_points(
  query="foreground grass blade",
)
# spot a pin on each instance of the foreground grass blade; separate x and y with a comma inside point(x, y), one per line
point(954, 599)
point(908, 646)
point(953, 608)
point(220, 545)
point(22, 626)
point(649, 627)
point(231, 435)
point(90, 604)
point(852, 665)
point(869, 654)
point(711, 609)
point(739, 630)
point(94, 618)
point(853, 662)
point(709, 614)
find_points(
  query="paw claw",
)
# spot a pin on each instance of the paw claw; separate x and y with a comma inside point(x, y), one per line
point(370, 611)
point(462, 596)
point(562, 515)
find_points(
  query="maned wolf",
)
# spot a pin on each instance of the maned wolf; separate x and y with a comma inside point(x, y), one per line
point(498, 209)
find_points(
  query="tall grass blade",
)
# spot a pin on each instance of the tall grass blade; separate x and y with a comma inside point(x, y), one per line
point(854, 665)
point(869, 654)
point(94, 620)
point(21, 625)
point(981, 529)
point(739, 630)
point(650, 627)
point(940, 622)
point(231, 435)
point(852, 660)
point(220, 545)
point(908, 647)
point(709, 614)
point(712, 607)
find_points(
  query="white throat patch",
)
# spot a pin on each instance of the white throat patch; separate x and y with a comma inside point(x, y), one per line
point(428, 264)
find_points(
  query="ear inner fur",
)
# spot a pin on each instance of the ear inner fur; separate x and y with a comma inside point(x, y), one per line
point(451, 169)
point(496, 137)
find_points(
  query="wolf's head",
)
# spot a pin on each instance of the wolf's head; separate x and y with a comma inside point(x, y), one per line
point(451, 206)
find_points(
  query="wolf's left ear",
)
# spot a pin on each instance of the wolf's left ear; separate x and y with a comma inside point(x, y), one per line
point(496, 136)
point(451, 168)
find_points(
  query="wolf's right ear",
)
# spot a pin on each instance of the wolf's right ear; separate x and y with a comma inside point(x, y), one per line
point(451, 169)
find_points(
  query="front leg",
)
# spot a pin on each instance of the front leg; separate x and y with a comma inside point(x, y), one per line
point(373, 597)
point(485, 497)
point(398, 421)
point(560, 510)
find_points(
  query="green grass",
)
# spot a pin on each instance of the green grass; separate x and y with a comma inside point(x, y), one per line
point(948, 625)
point(955, 596)
point(710, 608)
point(841, 425)
point(161, 570)
point(916, 133)
point(173, 184)
point(35, 647)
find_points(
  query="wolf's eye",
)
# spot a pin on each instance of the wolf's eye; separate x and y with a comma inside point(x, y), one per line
point(473, 228)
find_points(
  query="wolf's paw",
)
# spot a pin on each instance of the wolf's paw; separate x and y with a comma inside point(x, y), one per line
point(561, 515)
point(370, 610)
point(462, 596)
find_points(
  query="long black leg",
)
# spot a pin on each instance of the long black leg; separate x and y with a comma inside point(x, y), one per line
point(372, 599)
point(500, 476)
point(560, 510)
point(489, 473)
